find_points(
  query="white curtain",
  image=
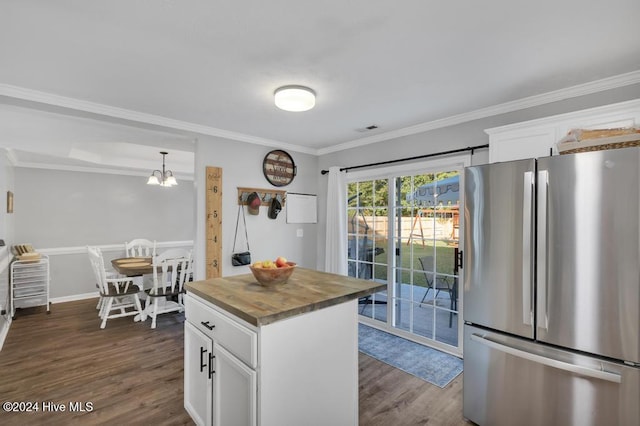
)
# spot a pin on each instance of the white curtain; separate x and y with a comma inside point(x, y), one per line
point(336, 243)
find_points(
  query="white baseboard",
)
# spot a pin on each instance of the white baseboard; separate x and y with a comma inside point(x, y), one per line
point(4, 331)
point(73, 297)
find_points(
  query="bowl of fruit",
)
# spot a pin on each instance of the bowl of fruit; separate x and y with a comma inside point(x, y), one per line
point(272, 272)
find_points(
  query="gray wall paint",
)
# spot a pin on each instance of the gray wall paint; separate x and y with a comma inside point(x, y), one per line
point(57, 209)
point(6, 233)
point(242, 167)
point(452, 137)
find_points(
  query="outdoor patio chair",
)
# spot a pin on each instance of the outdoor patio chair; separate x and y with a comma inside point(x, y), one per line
point(428, 267)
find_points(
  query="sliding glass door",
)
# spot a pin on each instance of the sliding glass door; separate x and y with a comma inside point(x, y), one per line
point(367, 221)
point(404, 230)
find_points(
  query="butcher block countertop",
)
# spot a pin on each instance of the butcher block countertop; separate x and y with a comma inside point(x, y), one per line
point(306, 290)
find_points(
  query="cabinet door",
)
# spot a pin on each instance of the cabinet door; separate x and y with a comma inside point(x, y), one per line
point(198, 371)
point(234, 390)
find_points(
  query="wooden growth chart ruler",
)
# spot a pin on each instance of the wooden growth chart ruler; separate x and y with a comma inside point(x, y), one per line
point(214, 222)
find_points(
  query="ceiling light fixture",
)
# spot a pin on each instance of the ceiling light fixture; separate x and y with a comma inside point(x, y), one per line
point(164, 177)
point(295, 98)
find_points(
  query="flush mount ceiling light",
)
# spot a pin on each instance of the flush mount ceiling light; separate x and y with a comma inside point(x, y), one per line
point(295, 98)
point(164, 177)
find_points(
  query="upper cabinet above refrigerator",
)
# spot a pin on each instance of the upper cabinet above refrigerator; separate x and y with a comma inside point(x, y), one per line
point(537, 138)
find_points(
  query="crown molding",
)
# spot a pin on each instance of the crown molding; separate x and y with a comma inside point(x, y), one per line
point(11, 156)
point(30, 95)
point(614, 82)
point(35, 96)
point(111, 171)
point(620, 110)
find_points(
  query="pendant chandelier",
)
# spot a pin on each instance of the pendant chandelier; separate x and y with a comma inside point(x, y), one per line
point(164, 177)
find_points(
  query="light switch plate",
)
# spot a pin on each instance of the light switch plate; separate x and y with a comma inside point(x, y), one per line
point(299, 233)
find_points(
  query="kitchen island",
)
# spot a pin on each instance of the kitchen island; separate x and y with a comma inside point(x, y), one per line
point(284, 355)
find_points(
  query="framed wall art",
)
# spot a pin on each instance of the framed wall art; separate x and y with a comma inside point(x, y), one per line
point(278, 168)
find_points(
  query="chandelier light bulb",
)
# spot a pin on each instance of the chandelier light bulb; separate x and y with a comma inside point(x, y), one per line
point(162, 177)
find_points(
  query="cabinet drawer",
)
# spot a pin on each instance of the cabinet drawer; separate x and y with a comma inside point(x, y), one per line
point(226, 332)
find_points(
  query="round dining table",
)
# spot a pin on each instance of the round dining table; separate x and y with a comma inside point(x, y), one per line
point(133, 266)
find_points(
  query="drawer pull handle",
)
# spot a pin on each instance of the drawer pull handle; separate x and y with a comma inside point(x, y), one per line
point(206, 324)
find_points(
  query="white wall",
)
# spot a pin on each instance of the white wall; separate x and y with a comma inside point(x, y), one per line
point(6, 234)
point(448, 138)
point(61, 212)
point(241, 165)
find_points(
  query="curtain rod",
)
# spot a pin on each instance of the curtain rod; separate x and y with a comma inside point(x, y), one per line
point(453, 151)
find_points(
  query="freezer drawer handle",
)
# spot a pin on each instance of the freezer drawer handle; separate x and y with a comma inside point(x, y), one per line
point(561, 365)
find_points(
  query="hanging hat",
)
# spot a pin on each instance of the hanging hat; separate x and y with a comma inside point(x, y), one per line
point(274, 208)
point(253, 203)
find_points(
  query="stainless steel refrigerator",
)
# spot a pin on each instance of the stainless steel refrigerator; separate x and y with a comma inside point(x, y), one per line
point(552, 290)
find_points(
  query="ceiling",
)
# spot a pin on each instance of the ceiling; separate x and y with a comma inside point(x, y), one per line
point(175, 68)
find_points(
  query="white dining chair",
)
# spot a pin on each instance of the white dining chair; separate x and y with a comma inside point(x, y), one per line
point(140, 247)
point(118, 294)
point(171, 269)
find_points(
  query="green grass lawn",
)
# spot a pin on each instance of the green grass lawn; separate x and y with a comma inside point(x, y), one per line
point(442, 250)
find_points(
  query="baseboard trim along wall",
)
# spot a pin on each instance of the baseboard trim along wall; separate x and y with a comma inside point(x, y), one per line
point(74, 297)
point(4, 330)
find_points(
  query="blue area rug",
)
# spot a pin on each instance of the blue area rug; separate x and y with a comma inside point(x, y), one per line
point(426, 363)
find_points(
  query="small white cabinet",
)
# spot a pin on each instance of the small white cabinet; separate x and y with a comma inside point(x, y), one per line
point(29, 283)
point(198, 386)
point(300, 370)
point(538, 138)
point(219, 388)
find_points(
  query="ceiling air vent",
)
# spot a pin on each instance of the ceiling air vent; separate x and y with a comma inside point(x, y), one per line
point(367, 129)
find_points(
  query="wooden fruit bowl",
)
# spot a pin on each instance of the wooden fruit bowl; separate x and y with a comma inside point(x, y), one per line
point(273, 276)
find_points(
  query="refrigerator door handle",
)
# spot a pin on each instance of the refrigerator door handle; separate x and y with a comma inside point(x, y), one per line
point(527, 220)
point(561, 365)
point(542, 258)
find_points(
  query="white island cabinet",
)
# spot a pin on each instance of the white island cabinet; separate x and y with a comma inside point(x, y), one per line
point(273, 356)
point(220, 388)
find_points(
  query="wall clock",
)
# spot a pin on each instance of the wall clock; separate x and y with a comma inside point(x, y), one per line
point(278, 168)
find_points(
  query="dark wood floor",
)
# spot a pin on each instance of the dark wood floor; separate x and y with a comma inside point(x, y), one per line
point(134, 375)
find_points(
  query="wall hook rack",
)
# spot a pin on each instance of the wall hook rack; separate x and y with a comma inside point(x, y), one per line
point(266, 195)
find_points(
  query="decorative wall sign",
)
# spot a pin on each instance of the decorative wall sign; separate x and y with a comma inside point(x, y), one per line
point(278, 168)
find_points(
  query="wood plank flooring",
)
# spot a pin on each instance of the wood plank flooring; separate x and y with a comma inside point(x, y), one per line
point(134, 375)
